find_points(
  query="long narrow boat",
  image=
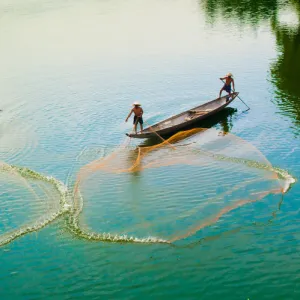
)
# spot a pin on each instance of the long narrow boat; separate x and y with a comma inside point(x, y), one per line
point(185, 119)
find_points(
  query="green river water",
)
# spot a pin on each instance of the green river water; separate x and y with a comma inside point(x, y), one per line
point(212, 228)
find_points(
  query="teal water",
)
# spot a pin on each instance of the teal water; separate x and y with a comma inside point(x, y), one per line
point(69, 73)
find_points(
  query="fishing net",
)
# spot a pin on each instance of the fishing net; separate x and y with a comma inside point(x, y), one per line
point(160, 193)
point(170, 191)
point(29, 201)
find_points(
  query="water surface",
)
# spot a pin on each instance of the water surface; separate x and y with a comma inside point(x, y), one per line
point(69, 73)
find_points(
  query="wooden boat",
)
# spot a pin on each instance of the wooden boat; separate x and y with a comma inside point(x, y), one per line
point(185, 119)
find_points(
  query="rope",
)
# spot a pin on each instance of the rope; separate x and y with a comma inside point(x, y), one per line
point(164, 141)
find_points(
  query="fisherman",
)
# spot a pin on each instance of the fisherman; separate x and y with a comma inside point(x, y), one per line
point(138, 116)
point(227, 86)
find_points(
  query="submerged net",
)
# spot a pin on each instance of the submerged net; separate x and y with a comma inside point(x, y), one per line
point(169, 191)
point(30, 201)
point(155, 194)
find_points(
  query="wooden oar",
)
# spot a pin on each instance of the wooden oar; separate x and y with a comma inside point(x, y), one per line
point(238, 96)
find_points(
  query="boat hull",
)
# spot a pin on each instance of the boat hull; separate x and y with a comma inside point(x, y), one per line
point(185, 119)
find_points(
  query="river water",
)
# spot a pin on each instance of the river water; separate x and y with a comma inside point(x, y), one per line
point(69, 73)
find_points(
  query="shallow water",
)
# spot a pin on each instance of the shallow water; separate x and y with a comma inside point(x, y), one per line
point(69, 73)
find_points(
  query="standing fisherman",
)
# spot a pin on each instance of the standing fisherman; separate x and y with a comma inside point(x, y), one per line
point(227, 86)
point(138, 116)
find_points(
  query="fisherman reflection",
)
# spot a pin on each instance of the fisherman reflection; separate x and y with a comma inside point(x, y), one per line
point(226, 122)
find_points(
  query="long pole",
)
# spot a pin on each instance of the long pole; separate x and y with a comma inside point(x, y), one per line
point(238, 96)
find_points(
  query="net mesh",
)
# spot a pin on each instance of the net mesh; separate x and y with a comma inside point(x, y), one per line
point(171, 190)
point(160, 193)
point(30, 201)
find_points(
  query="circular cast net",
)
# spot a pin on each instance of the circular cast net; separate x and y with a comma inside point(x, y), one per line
point(168, 192)
point(160, 193)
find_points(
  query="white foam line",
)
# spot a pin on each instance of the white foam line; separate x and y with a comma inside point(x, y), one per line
point(74, 212)
point(66, 207)
point(74, 226)
point(289, 180)
point(42, 221)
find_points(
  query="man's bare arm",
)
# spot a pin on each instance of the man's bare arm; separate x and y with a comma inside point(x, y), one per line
point(129, 115)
